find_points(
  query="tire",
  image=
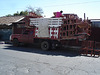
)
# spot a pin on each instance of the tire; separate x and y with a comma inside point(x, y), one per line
point(15, 42)
point(45, 45)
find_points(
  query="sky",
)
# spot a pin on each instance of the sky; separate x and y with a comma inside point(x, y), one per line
point(79, 7)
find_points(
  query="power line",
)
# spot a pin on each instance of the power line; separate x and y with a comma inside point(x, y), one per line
point(74, 3)
point(61, 5)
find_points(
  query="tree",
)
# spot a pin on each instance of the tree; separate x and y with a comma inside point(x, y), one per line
point(16, 14)
point(37, 10)
point(23, 13)
point(8, 15)
point(30, 9)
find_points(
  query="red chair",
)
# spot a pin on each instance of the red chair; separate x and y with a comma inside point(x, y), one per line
point(84, 47)
point(97, 49)
point(90, 47)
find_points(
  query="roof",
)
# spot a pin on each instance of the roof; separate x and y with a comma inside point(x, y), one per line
point(10, 20)
point(95, 20)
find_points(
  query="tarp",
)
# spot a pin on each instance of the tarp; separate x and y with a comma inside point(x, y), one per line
point(43, 28)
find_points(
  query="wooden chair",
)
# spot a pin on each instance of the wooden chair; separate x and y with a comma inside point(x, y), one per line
point(90, 47)
point(97, 49)
point(84, 47)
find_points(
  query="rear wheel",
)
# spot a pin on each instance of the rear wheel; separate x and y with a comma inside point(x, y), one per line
point(15, 42)
point(45, 45)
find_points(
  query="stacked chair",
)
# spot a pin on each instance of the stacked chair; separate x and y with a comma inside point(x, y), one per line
point(97, 49)
point(91, 48)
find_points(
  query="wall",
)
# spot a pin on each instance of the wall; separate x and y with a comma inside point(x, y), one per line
point(96, 23)
point(5, 34)
point(95, 31)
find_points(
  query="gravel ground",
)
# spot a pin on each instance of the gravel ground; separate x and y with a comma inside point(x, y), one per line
point(34, 61)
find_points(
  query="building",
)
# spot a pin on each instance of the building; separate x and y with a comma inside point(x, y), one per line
point(95, 30)
point(6, 26)
point(20, 26)
point(14, 24)
point(95, 22)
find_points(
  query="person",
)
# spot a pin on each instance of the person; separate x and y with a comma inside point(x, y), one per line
point(59, 14)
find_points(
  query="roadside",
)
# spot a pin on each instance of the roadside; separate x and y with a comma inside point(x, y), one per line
point(5, 42)
point(33, 61)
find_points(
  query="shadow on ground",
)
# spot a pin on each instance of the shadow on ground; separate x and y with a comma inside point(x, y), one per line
point(56, 52)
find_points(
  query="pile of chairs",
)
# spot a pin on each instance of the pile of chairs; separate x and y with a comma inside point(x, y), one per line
point(91, 48)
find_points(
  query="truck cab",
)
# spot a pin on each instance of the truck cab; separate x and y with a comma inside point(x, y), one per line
point(26, 37)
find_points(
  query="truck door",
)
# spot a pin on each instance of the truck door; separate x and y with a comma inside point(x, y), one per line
point(25, 36)
point(30, 37)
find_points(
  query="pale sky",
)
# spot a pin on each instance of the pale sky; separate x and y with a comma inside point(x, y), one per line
point(79, 7)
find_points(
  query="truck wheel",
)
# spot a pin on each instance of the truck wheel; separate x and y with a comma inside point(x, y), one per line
point(15, 42)
point(45, 45)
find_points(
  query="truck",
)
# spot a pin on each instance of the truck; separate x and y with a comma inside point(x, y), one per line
point(51, 33)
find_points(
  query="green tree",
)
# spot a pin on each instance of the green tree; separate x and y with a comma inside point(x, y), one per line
point(37, 11)
point(8, 15)
point(23, 13)
point(16, 14)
